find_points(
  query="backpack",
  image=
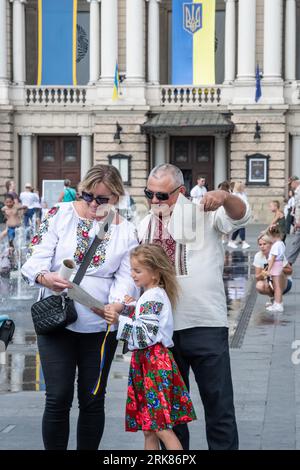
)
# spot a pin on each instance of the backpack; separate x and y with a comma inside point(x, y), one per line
point(69, 195)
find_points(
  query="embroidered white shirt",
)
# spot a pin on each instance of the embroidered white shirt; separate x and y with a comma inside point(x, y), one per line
point(202, 300)
point(63, 234)
point(151, 323)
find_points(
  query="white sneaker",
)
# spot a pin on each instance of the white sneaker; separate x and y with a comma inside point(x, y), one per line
point(275, 308)
point(270, 302)
point(245, 245)
point(232, 244)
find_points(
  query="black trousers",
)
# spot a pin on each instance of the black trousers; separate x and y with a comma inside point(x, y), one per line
point(206, 351)
point(61, 354)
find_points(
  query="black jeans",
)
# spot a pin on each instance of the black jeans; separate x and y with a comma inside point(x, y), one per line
point(206, 351)
point(61, 353)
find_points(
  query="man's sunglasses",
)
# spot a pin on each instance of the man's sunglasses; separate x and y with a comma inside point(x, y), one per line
point(159, 195)
point(87, 197)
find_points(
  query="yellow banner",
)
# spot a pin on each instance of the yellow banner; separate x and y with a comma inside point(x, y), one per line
point(204, 46)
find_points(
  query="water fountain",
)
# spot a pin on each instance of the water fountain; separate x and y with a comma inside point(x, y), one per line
point(20, 248)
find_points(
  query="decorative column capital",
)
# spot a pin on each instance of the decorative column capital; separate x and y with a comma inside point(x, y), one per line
point(93, 1)
point(18, 1)
point(25, 134)
point(153, 1)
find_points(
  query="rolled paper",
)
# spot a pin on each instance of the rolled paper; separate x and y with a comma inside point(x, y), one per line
point(66, 270)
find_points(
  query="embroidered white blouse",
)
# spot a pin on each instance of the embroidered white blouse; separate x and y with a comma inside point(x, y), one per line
point(150, 322)
point(63, 234)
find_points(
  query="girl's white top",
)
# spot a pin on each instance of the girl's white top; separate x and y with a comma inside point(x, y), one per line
point(63, 234)
point(151, 322)
point(277, 250)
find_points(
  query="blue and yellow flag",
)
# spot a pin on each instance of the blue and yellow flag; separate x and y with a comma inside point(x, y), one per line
point(57, 42)
point(193, 42)
point(115, 94)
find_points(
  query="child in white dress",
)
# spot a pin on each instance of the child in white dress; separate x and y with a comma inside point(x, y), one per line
point(275, 267)
point(157, 397)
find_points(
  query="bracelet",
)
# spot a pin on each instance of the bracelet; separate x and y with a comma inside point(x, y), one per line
point(42, 274)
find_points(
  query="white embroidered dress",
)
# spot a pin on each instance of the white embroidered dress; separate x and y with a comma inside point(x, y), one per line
point(151, 323)
point(63, 234)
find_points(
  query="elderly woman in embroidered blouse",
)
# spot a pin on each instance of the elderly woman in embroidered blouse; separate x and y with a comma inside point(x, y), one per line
point(67, 232)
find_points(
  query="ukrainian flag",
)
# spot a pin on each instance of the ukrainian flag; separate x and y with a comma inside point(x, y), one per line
point(193, 42)
point(115, 95)
point(57, 42)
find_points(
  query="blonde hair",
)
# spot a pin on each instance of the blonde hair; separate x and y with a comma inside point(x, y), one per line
point(106, 174)
point(154, 258)
point(265, 237)
point(239, 187)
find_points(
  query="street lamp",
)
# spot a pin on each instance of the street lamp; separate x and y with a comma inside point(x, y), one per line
point(257, 135)
point(117, 136)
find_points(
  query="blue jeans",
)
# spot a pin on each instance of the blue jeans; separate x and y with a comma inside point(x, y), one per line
point(28, 216)
point(241, 232)
point(61, 353)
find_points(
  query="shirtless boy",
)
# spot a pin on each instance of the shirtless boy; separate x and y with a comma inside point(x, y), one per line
point(13, 218)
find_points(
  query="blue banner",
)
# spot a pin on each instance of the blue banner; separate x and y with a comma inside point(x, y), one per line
point(182, 48)
point(193, 42)
point(57, 42)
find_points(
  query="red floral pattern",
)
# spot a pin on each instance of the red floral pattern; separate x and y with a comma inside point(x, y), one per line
point(157, 397)
point(43, 228)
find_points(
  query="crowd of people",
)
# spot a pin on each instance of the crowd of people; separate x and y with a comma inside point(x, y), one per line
point(153, 299)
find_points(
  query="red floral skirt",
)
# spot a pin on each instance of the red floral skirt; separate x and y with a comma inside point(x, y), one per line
point(157, 397)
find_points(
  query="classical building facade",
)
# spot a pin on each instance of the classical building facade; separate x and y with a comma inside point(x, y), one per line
point(217, 130)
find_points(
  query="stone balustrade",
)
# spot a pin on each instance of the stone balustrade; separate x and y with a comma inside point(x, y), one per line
point(55, 95)
point(189, 95)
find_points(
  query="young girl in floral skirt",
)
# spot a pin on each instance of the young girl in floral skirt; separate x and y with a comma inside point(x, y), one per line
point(157, 398)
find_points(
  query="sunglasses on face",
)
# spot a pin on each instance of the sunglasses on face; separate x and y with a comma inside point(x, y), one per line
point(159, 195)
point(87, 197)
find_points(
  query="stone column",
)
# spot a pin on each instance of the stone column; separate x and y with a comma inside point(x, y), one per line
point(220, 160)
point(19, 51)
point(94, 41)
point(109, 38)
point(230, 41)
point(272, 39)
point(86, 160)
point(160, 149)
point(135, 40)
point(26, 160)
point(3, 41)
point(295, 164)
point(153, 41)
point(290, 40)
point(246, 39)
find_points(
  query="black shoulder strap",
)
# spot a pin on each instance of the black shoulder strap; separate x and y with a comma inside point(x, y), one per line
point(92, 249)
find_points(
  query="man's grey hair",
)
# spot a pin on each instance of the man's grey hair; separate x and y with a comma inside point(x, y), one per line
point(169, 169)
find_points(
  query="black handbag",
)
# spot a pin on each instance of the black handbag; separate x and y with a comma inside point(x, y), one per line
point(53, 313)
point(57, 311)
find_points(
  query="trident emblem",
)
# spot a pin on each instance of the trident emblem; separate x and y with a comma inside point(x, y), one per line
point(192, 17)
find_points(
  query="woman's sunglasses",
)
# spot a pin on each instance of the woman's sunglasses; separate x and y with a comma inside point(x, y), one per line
point(87, 197)
point(159, 195)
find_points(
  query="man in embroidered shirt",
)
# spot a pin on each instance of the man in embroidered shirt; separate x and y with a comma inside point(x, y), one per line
point(200, 319)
